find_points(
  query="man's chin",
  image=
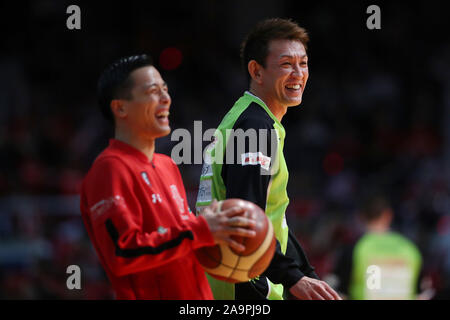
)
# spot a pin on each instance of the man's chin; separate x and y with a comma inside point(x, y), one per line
point(294, 103)
point(163, 132)
point(292, 100)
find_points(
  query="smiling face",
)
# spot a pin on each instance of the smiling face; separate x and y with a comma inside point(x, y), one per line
point(146, 112)
point(284, 78)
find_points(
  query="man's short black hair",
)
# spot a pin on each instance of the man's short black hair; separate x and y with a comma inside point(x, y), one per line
point(372, 206)
point(115, 82)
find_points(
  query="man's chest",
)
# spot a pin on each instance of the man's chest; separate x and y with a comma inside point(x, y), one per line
point(160, 191)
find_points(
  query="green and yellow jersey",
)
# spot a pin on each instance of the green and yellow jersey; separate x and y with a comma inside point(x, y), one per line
point(246, 161)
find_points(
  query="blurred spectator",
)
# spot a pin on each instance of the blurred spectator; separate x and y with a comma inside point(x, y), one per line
point(381, 264)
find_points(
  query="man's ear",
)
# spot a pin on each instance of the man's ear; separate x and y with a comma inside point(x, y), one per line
point(118, 108)
point(254, 69)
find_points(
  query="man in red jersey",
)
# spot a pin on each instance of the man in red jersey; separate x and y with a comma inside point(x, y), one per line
point(133, 201)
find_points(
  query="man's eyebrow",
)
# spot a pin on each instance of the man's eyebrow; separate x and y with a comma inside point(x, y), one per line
point(149, 85)
point(291, 56)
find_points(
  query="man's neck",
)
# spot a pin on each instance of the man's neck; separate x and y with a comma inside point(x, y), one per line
point(146, 146)
point(377, 228)
point(277, 110)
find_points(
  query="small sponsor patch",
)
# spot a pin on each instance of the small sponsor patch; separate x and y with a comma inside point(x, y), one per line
point(145, 177)
point(104, 205)
point(156, 197)
point(255, 158)
point(204, 191)
point(206, 170)
point(162, 230)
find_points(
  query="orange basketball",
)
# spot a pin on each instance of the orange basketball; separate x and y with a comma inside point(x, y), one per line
point(224, 263)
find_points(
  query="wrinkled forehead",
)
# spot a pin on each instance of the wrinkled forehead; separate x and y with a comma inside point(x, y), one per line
point(283, 47)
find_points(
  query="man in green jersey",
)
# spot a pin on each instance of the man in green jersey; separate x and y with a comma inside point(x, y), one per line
point(245, 159)
point(382, 264)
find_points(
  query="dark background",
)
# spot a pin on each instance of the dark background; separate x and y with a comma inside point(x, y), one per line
point(375, 115)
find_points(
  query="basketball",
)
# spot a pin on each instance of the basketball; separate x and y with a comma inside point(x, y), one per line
point(225, 263)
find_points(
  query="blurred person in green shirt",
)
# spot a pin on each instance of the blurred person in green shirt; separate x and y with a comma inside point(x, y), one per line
point(381, 264)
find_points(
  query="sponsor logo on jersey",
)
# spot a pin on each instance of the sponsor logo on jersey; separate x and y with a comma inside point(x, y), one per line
point(206, 170)
point(156, 198)
point(255, 158)
point(204, 191)
point(162, 230)
point(145, 177)
point(104, 205)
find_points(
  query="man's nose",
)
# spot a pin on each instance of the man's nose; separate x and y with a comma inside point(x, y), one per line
point(298, 71)
point(165, 97)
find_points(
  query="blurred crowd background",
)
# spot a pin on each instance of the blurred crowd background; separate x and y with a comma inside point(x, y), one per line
point(375, 115)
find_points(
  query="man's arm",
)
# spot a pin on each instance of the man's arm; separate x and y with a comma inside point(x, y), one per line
point(295, 250)
point(283, 269)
